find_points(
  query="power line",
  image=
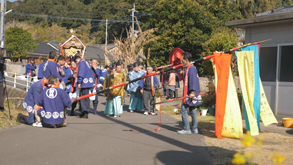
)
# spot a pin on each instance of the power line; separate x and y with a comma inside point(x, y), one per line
point(66, 18)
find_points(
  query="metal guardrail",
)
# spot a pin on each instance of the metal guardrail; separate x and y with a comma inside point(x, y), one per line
point(19, 81)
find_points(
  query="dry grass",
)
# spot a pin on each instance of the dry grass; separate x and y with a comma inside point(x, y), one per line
point(222, 150)
point(5, 121)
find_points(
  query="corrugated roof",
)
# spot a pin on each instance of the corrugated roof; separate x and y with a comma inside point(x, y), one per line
point(43, 48)
point(93, 51)
point(280, 10)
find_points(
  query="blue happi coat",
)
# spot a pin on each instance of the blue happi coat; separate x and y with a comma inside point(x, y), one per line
point(132, 87)
point(29, 68)
point(31, 98)
point(50, 68)
point(193, 85)
point(53, 100)
point(40, 72)
point(67, 72)
point(85, 74)
point(104, 72)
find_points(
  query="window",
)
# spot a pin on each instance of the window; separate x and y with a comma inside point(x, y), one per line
point(286, 66)
point(268, 63)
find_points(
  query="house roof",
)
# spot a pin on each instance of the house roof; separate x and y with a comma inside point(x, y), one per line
point(92, 51)
point(282, 14)
point(280, 10)
point(43, 48)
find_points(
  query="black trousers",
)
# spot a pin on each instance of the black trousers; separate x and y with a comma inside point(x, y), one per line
point(85, 103)
point(148, 101)
point(1, 95)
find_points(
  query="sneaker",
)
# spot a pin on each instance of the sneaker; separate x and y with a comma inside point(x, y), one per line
point(116, 116)
point(146, 113)
point(108, 115)
point(184, 132)
point(153, 113)
point(194, 131)
point(64, 124)
point(37, 124)
point(131, 111)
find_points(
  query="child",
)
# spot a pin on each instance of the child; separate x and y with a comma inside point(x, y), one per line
point(54, 100)
point(172, 84)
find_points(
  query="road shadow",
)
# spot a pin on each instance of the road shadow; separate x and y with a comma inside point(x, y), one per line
point(290, 132)
point(182, 157)
point(195, 154)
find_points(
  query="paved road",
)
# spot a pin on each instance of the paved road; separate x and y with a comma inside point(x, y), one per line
point(103, 140)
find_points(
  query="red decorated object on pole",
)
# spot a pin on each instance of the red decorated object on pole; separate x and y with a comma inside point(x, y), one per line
point(175, 58)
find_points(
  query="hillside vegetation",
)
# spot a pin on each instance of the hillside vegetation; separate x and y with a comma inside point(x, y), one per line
point(193, 25)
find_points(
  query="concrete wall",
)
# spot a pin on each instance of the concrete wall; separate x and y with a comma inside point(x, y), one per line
point(16, 95)
point(15, 68)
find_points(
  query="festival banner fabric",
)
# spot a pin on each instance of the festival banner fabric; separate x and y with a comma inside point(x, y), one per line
point(232, 126)
point(222, 63)
point(245, 60)
point(266, 113)
point(256, 97)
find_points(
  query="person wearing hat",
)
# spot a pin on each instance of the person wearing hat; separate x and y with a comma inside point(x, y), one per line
point(30, 69)
point(136, 101)
point(147, 88)
point(115, 97)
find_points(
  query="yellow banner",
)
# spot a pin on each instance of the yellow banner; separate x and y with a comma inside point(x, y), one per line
point(245, 60)
point(266, 113)
point(232, 126)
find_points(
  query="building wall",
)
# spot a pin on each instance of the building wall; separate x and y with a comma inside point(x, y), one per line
point(278, 33)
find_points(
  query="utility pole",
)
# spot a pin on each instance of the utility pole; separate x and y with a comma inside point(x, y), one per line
point(2, 24)
point(132, 15)
point(106, 40)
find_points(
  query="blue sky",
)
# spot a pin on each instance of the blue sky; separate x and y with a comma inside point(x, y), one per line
point(11, 0)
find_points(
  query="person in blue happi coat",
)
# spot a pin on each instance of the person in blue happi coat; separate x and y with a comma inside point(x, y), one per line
point(97, 74)
point(191, 88)
point(104, 72)
point(67, 79)
point(53, 100)
point(40, 71)
point(85, 83)
point(30, 69)
point(50, 67)
point(30, 102)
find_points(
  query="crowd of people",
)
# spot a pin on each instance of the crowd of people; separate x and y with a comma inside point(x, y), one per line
point(63, 79)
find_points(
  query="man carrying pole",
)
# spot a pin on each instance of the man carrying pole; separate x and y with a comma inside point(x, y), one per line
point(191, 88)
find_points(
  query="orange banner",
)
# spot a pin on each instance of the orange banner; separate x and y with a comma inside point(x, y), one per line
point(222, 62)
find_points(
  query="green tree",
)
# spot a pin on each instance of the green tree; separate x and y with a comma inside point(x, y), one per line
point(221, 39)
point(182, 23)
point(19, 41)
